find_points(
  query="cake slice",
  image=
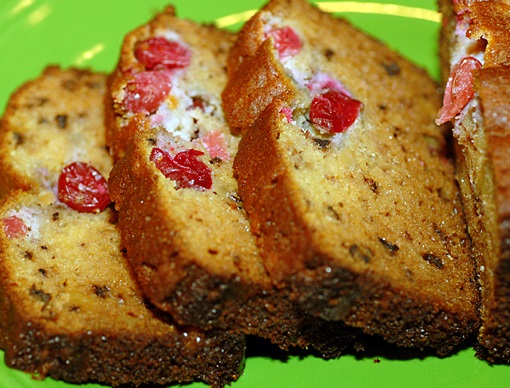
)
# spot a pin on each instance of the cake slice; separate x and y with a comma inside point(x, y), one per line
point(181, 219)
point(69, 303)
point(346, 180)
point(475, 56)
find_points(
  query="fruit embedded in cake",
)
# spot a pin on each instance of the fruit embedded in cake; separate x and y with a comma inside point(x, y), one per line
point(286, 41)
point(182, 221)
point(70, 307)
point(83, 188)
point(334, 130)
point(474, 61)
point(14, 227)
point(329, 107)
point(184, 168)
point(161, 53)
point(459, 90)
point(166, 80)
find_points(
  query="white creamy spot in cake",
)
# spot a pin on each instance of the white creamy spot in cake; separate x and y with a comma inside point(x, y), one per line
point(299, 71)
point(189, 115)
point(173, 115)
point(322, 81)
point(44, 178)
point(171, 36)
point(464, 46)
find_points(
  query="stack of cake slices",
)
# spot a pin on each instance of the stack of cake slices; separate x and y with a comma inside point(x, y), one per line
point(280, 182)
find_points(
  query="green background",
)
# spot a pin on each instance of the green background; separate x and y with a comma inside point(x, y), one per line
point(35, 33)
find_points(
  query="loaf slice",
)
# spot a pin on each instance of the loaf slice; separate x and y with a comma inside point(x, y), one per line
point(181, 219)
point(69, 303)
point(346, 180)
point(475, 55)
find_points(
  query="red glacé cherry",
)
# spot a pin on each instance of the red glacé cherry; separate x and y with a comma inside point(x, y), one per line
point(184, 168)
point(160, 53)
point(14, 227)
point(145, 92)
point(334, 111)
point(459, 89)
point(83, 188)
point(286, 41)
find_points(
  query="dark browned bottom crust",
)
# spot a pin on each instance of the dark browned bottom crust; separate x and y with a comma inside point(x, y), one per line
point(268, 314)
point(88, 358)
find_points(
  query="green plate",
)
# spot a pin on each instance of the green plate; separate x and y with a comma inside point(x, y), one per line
point(35, 33)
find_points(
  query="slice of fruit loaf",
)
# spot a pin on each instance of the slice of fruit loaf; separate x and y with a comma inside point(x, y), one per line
point(183, 225)
point(346, 180)
point(475, 56)
point(70, 306)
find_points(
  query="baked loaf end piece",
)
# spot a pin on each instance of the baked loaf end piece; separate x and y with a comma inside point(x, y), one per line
point(70, 306)
point(475, 55)
point(181, 219)
point(358, 213)
point(43, 131)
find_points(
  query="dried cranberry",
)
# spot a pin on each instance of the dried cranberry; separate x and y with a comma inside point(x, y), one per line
point(216, 144)
point(197, 103)
point(83, 188)
point(334, 111)
point(286, 41)
point(184, 168)
point(14, 227)
point(145, 92)
point(160, 53)
point(287, 112)
point(459, 89)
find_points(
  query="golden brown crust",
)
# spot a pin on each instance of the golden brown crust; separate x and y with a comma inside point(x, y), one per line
point(491, 21)
point(481, 144)
point(447, 37)
point(242, 96)
point(360, 230)
point(493, 85)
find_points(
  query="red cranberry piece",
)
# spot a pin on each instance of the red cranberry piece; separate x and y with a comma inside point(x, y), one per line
point(83, 188)
point(216, 145)
point(160, 53)
point(198, 103)
point(459, 89)
point(334, 111)
point(287, 112)
point(286, 40)
point(184, 168)
point(145, 92)
point(14, 227)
